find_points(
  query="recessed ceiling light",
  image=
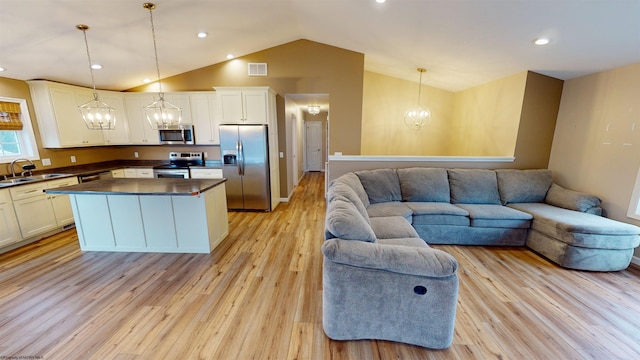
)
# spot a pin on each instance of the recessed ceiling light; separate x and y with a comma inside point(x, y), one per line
point(202, 35)
point(2, 69)
point(230, 56)
point(146, 80)
point(541, 41)
point(381, 1)
point(96, 66)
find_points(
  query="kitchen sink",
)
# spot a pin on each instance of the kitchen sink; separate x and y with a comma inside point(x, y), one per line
point(27, 179)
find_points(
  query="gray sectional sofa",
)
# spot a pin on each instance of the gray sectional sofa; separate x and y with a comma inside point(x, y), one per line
point(383, 281)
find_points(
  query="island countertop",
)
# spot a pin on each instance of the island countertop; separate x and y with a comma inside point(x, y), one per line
point(131, 186)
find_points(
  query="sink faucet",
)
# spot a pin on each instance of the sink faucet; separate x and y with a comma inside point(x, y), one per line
point(13, 171)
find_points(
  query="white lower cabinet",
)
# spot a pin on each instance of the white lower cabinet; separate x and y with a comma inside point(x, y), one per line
point(9, 230)
point(37, 212)
point(33, 210)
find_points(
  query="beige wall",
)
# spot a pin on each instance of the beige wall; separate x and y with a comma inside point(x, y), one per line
point(486, 118)
point(513, 116)
point(595, 146)
point(385, 100)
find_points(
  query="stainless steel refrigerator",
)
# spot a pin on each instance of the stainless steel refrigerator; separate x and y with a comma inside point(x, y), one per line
point(245, 164)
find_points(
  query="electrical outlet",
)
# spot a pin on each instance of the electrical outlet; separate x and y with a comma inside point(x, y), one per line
point(206, 155)
point(46, 162)
point(73, 158)
point(135, 154)
point(281, 155)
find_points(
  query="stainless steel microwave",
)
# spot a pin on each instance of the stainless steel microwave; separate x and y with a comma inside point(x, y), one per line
point(178, 135)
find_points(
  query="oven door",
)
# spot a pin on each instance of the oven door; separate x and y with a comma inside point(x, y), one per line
point(171, 173)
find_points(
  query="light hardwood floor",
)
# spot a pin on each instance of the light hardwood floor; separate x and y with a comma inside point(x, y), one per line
point(259, 296)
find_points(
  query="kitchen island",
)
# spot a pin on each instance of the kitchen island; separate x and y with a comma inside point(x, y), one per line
point(149, 215)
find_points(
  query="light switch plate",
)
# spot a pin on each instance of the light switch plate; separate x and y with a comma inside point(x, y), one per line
point(73, 158)
point(46, 162)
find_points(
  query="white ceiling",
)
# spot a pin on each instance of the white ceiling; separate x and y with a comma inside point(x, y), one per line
point(462, 43)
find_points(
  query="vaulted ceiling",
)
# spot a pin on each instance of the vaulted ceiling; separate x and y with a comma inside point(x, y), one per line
point(462, 43)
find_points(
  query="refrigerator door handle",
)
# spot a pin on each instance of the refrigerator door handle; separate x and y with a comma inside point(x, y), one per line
point(240, 149)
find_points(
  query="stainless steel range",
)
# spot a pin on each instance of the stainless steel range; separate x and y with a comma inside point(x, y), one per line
point(178, 166)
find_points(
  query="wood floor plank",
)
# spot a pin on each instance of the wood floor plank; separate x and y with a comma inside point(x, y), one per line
point(258, 295)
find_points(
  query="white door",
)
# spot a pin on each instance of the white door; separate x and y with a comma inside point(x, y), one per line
point(313, 136)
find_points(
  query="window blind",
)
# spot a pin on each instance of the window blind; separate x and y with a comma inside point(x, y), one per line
point(10, 116)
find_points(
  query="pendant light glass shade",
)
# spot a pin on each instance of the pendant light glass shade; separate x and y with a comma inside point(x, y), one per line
point(96, 114)
point(160, 114)
point(417, 116)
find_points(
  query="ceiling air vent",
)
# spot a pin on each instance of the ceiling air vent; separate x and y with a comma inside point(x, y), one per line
point(257, 69)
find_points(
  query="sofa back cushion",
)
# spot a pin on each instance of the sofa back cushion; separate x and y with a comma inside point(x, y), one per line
point(352, 180)
point(473, 186)
point(381, 185)
point(523, 186)
point(570, 199)
point(344, 221)
point(424, 184)
point(340, 189)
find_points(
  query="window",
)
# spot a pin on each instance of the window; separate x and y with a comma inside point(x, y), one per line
point(16, 144)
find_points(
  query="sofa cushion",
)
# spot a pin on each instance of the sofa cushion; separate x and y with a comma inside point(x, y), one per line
point(523, 186)
point(413, 242)
point(392, 227)
point(353, 181)
point(473, 186)
point(569, 199)
point(580, 229)
point(435, 208)
point(437, 213)
point(381, 185)
point(424, 184)
point(487, 215)
point(345, 222)
point(339, 189)
point(393, 208)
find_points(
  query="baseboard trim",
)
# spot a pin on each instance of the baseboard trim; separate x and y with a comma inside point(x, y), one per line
point(635, 260)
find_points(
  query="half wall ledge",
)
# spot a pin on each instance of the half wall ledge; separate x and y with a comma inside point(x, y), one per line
point(339, 165)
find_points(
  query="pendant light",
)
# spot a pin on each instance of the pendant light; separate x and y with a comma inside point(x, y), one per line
point(96, 114)
point(417, 116)
point(160, 114)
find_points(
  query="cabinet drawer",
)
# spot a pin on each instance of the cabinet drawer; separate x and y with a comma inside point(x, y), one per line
point(60, 183)
point(27, 191)
point(206, 173)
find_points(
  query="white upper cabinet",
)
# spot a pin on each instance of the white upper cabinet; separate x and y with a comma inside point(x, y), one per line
point(119, 135)
point(59, 120)
point(203, 116)
point(243, 105)
point(181, 100)
point(140, 132)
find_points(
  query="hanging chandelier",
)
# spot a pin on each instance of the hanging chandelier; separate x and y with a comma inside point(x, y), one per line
point(417, 116)
point(160, 114)
point(95, 114)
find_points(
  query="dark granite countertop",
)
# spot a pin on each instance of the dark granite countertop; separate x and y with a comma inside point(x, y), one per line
point(130, 186)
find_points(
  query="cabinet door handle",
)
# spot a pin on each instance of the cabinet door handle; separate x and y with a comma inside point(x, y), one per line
point(31, 191)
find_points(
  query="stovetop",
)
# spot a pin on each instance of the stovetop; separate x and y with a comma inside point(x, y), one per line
point(183, 160)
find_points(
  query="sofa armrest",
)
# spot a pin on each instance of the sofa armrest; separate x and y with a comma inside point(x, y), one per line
point(572, 200)
point(419, 261)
